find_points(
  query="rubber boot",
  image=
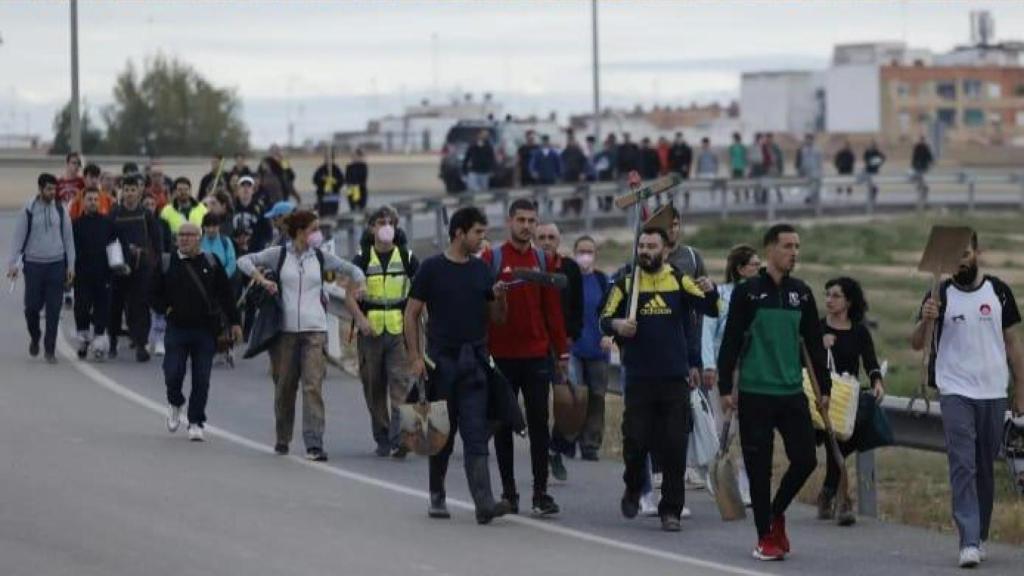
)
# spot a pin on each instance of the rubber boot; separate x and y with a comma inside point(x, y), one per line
point(478, 475)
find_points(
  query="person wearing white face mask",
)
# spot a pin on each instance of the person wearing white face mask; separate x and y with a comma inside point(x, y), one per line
point(389, 269)
point(298, 352)
point(589, 355)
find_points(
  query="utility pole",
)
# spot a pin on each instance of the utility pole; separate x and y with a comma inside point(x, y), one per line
point(76, 116)
point(596, 74)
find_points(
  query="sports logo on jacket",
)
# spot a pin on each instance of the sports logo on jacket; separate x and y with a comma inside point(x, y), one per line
point(794, 299)
point(656, 306)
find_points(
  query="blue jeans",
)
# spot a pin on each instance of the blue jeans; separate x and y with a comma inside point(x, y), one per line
point(974, 432)
point(44, 288)
point(478, 181)
point(182, 345)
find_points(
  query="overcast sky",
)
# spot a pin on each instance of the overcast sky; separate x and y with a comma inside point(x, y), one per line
point(334, 65)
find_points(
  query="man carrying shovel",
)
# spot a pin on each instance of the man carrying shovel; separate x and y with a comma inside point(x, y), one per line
point(651, 314)
point(769, 316)
point(969, 326)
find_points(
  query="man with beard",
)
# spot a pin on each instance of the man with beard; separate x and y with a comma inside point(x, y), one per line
point(661, 358)
point(182, 207)
point(93, 231)
point(771, 317)
point(460, 296)
point(522, 349)
point(973, 353)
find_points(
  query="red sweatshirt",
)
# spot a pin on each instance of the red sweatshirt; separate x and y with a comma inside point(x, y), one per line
point(535, 323)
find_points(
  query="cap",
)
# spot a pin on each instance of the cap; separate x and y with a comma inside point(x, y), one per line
point(246, 180)
point(282, 208)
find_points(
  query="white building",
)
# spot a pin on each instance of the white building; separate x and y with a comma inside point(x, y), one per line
point(785, 101)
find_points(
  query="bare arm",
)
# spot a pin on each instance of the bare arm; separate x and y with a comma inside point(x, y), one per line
point(413, 312)
point(498, 308)
point(923, 330)
point(1015, 356)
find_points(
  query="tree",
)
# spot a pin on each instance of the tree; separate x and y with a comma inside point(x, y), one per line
point(171, 109)
point(92, 137)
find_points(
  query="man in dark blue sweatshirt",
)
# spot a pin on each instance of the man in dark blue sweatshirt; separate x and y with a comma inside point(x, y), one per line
point(661, 357)
point(93, 232)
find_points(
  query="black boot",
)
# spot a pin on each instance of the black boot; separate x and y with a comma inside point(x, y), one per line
point(438, 508)
point(478, 475)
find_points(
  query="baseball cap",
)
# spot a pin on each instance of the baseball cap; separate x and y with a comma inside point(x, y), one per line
point(282, 208)
point(246, 180)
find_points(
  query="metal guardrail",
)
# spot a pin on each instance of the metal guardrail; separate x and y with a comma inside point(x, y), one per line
point(587, 205)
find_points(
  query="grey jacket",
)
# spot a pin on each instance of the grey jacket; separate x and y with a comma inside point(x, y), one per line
point(301, 284)
point(707, 163)
point(47, 243)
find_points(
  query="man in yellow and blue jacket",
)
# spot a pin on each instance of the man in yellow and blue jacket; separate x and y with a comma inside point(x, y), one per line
point(662, 361)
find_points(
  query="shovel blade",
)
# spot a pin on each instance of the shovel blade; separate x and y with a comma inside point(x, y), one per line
point(570, 409)
point(726, 489)
point(424, 427)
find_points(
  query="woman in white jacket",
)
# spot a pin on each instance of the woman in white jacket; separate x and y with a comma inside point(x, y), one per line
point(742, 263)
point(298, 353)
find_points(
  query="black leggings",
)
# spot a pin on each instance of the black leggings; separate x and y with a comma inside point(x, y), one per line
point(759, 416)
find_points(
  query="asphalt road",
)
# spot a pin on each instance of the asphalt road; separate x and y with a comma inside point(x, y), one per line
point(92, 483)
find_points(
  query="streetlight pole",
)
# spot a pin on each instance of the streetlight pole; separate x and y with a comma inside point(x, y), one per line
point(76, 116)
point(596, 74)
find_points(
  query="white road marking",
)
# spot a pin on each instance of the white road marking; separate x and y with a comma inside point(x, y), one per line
point(92, 373)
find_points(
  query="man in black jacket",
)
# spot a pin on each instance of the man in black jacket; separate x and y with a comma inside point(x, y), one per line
point(680, 156)
point(93, 232)
point(196, 296)
point(844, 162)
point(479, 163)
point(548, 239)
point(328, 180)
point(141, 240)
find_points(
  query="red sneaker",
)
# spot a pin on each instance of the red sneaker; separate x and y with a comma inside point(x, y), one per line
point(768, 550)
point(779, 533)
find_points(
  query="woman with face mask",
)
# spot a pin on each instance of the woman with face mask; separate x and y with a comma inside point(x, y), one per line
point(589, 354)
point(298, 353)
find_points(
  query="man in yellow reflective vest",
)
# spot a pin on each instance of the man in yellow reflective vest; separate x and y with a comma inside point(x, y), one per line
point(183, 207)
point(389, 269)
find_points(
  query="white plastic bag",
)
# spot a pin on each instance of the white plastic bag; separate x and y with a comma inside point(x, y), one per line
point(703, 444)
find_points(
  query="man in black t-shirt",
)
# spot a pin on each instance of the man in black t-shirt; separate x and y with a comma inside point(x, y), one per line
point(459, 293)
point(523, 155)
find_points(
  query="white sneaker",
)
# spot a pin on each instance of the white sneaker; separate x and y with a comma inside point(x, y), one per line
point(982, 552)
point(100, 344)
point(159, 349)
point(647, 505)
point(970, 557)
point(195, 433)
point(693, 479)
point(656, 480)
point(686, 513)
point(173, 418)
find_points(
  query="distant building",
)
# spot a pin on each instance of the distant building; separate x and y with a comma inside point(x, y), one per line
point(713, 121)
point(979, 103)
point(788, 102)
point(424, 127)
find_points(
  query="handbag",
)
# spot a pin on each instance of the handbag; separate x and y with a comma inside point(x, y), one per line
point(873, 429)
point(703, 442)
point(843, 402)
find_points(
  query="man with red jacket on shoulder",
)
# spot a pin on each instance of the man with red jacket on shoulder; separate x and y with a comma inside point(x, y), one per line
point(522, 349)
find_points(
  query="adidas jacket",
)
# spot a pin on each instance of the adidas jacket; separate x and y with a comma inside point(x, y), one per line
point(667, 342)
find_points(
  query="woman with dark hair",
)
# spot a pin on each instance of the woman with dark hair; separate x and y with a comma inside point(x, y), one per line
point(741, 263)
point(298, 353)
point(850, 348)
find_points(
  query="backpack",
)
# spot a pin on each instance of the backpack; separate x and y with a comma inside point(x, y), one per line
point(496, 258)
point(28, 227)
